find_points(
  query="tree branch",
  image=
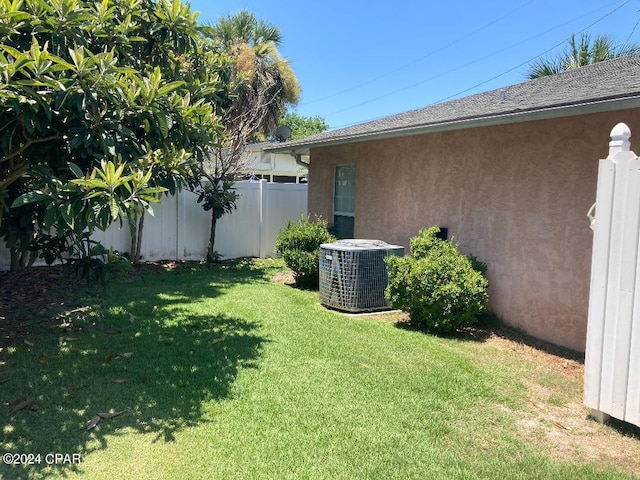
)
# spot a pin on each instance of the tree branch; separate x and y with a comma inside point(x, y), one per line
point(241, 120)
point(28, 143)
point(13, 175)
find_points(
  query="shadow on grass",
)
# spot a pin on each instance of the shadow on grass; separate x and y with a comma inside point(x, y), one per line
point(142, 351)
point(488, 325)
point(35, 299)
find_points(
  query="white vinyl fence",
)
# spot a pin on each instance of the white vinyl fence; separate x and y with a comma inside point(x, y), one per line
point(612, 357)
point(179, 228)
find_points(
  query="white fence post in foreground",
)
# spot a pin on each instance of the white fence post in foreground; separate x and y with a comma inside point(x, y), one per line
point(612, 357)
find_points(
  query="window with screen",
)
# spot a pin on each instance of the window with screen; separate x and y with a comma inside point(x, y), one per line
point(344, 201)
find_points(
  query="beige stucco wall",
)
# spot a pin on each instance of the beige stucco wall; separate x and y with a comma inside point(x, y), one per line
point(516, 196)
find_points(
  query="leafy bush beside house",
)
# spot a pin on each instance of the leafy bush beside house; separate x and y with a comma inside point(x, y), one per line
point(441, 289)
point(299, 244)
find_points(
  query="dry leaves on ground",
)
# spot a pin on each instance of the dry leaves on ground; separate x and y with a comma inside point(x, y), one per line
point(560, 423)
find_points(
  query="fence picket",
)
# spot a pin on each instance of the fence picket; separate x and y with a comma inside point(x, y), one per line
point(599, 277)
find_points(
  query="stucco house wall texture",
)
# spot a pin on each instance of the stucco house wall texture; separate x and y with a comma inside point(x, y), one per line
point(511, 173)
point(514, 195)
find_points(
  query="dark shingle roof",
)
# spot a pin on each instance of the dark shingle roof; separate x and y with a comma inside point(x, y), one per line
point(600, 86)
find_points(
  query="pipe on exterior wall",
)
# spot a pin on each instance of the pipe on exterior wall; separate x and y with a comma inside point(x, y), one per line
point(298, 157)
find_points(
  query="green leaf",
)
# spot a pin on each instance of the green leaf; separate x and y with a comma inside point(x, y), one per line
point(14, 52)
point(63, 63)
point(95, 194)
point(76, 170)
point(154, 190)
point(29, 197)
point(66, 211)
point(170, 87)
point(49, 216)
point(161, 120)
point(90, 183)
point(15, 16)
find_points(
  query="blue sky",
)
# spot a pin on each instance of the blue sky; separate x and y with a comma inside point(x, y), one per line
point(359, 60)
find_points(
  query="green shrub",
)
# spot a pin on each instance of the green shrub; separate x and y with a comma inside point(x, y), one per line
point(439, 288)
point(478, 265)
point(299, 245)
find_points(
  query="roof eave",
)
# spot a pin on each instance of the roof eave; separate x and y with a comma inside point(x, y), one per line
point(584, 108)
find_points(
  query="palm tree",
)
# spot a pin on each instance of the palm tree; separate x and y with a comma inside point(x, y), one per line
point(260, 73)
point(581, 53)
point(260, 86)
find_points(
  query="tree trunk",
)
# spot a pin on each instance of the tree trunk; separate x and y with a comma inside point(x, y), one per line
point(212, 257)
point(16, 260)
point(136, 259)
point(132, 220)
point(136, 223)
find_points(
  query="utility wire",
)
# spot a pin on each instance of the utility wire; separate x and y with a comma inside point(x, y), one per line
point(424, 57)
point(534, 58)
point(484, 58)
point(626, 42)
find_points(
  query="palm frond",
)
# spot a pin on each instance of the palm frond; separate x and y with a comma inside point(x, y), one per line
point(543, 68)
point(579, 53)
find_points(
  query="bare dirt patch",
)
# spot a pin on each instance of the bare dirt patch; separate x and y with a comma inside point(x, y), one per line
point(285, 277)
point(34, 298)
point(41, 298)
point(555, 417)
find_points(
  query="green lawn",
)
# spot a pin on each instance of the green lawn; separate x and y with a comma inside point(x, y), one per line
point(220, 373)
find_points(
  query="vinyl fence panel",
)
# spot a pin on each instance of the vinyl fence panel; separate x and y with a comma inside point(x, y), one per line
point(238, 234)
point(281, 202)
point(179, 228)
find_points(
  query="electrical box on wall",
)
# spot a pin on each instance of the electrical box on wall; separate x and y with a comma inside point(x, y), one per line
point(443, 234)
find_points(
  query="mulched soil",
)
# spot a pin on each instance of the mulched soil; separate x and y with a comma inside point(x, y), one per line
point(38, 298)
point(33, 299)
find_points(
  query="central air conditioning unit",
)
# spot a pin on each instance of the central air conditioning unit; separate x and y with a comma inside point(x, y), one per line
point(353, 274)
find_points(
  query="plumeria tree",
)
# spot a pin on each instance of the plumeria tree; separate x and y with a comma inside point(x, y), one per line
point(104, 106)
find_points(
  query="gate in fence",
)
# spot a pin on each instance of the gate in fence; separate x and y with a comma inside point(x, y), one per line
point(612, 356)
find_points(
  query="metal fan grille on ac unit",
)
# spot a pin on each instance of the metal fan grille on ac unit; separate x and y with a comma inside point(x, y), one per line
point(353, 274)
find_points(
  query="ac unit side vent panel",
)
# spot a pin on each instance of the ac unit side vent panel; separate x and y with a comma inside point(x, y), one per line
point(353, 274)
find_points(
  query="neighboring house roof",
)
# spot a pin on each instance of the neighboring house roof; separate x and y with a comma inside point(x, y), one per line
point(257, 162)
point(610, 85)
point(258, 146)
